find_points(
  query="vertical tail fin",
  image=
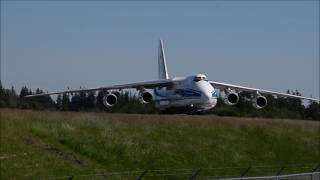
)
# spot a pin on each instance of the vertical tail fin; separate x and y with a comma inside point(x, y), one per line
point(162, 65)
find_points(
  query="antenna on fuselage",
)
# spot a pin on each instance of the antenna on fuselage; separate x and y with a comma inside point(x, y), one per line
point(162, 65)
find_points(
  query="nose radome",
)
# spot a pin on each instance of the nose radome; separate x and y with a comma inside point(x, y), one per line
point(206, 96)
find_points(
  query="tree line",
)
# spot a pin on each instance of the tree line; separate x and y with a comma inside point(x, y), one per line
point(129, 103)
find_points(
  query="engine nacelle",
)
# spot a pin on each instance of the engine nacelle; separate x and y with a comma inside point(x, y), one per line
point(259, 102)
point(231, 98)
point(109, 100)
point(145, 97)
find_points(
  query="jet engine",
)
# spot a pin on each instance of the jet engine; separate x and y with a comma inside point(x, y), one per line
point(259, 102)
point(145, 97)
point(231, 98)
point(109, 100)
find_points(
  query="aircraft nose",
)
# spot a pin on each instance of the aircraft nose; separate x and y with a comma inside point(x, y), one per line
point(206, 96)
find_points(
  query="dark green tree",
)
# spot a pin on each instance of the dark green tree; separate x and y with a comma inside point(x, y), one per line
point(25, 103)
point(75, 102)
point(313, 111)
point(59, 102)
point(91, 101)
point(2, 101)
point(65, 102)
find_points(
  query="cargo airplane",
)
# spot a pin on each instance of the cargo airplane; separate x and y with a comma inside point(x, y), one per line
point(190, 94)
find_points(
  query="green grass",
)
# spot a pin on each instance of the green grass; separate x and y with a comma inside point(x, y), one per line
point(40, 145)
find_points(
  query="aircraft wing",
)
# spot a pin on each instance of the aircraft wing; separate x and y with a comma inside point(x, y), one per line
point(223, 86)
point(138, 85)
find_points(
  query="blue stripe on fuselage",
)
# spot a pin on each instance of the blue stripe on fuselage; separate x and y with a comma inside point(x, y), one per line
point(182, 92)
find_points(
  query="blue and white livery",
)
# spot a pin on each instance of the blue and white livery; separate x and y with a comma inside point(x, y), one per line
point(190, 94)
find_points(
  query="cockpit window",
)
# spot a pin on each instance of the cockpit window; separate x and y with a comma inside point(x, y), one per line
point(199, 78)
point(196, 79)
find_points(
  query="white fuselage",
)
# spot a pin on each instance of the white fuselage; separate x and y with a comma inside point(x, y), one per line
point(193, 93)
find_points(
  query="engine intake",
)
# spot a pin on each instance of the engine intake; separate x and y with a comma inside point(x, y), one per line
point(145, 97)
point(231, 98)
point(259, 102)
point(109, 100)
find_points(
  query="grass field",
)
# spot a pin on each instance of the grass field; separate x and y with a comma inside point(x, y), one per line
point(41, 145)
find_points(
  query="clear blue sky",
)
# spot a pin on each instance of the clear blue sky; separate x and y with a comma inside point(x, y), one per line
point(55, 44)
